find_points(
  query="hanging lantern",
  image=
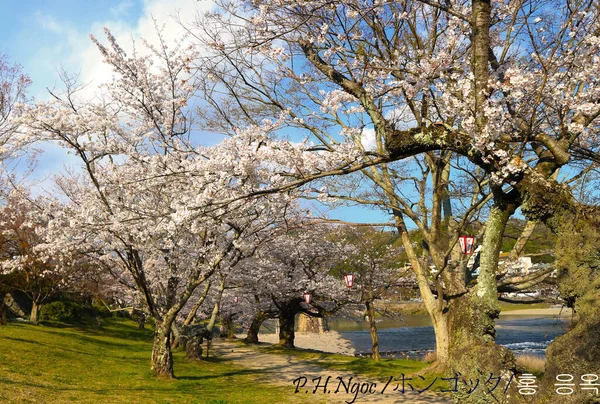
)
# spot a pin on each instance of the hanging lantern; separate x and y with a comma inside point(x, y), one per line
point(466, 244)
point(235, 299)
point(349, 280)
point(307, 297)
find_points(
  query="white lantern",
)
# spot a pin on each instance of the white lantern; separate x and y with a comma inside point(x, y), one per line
point(466, 244)
point(307, 297)
point(235, 299)
point(349, 280)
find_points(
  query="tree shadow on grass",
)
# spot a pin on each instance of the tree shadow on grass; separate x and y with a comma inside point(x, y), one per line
point(58, 347)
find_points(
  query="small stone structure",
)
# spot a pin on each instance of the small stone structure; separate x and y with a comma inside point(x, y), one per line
point(316, 325)
point(192, 337)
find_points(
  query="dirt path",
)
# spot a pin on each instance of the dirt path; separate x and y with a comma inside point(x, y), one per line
point(285, 369)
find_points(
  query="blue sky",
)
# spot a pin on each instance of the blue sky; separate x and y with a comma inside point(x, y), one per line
point(45, 36)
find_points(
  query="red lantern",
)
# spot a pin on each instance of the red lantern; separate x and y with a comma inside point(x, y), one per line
point(349, 280)
point(466, 244)
point(307, 297)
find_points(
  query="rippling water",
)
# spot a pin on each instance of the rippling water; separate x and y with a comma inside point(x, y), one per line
point(520, 333)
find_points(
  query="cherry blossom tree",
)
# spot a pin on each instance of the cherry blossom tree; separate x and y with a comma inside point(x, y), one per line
point(508, 85)
point(13, 87)
point(374, 263)
point(142, 203)
point(25, 265)
point(276, 278)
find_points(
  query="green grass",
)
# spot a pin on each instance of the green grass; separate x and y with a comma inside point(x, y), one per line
point(379, 371)
point(56, 364)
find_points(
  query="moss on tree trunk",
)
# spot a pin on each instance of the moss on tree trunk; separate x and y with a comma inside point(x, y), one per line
point(473, 349)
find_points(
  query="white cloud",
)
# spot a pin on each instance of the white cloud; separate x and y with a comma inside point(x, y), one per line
point(368, 140)
point(48, 23)
point(122, 8)
point(76, 52)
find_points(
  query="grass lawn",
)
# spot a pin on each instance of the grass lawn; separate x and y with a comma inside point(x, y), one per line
point(49, 364)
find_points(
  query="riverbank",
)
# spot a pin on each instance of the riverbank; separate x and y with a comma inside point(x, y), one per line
point(541, 309)
point(562, 312)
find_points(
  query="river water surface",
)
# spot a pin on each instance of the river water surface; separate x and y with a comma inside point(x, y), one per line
point(413, 336)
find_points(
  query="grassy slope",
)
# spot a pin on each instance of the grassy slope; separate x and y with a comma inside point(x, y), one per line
point(112, 365)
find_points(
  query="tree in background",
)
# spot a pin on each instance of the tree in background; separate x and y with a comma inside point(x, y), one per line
point(275, 279)
point(374, 263)
point(25, 265)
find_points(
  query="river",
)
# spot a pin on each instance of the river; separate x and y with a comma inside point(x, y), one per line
point(413, 336)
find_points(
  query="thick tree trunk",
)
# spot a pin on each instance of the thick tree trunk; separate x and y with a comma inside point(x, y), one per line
point(373, 331)
point(286, 325)
point(442, 340)
point(252, 335)
point(35, 310)
point(473, 350)
point(575, 353)
point(162, 357)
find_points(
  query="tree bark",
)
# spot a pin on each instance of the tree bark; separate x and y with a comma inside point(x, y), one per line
point(252, 335)
point(373, 331)
point(175, 336)
point(287, 317)
point(162, 356)
point(473, 350)
point(35, 311)
point(192, 314)
point(216, 308)
point(433, 306)
point(575, 353)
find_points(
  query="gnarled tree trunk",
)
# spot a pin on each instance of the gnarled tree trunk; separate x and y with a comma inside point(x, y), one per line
point(252, 335)
point(162, 356)
point(473, 349)
point(226, 330)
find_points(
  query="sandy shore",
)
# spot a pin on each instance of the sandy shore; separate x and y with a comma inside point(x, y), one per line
point(552, 311)
point(330, 341)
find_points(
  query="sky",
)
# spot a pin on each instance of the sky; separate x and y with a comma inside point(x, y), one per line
point(47, 36)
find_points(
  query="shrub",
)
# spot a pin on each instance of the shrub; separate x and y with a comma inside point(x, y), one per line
point(58, 311)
